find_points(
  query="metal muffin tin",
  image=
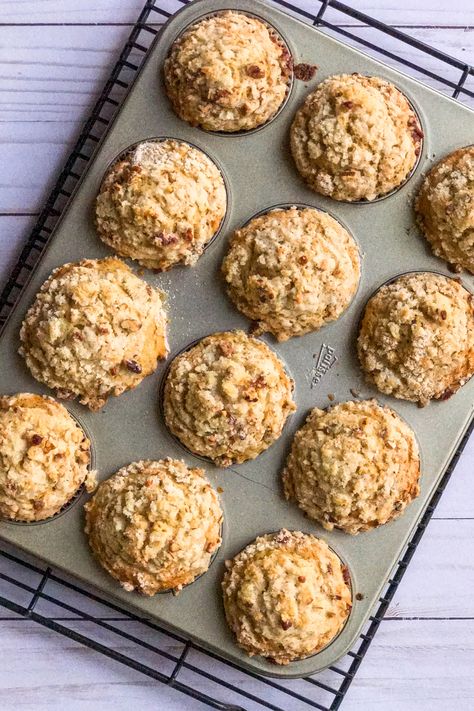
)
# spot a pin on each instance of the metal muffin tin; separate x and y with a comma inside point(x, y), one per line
point(259, 174)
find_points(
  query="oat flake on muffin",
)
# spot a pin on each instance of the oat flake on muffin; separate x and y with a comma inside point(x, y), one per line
point(228, 72)
point(286, 596)
point(161, 203)
point(355, 138)
point(94, 330)
point(292, 271)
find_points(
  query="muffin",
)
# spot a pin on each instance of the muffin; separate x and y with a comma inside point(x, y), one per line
point(355, 466)
point(94, 330)
point(286, 596)
point(292, 271)
point(355, 138)
point(228, 72)
point(154, 526)
point(227, 398)
point(416, 340)
point(445, 209)
point(44, 457)
point(161, 203)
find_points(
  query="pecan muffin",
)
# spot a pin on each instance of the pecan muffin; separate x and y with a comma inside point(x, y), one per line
point(161, 203)
point(416, 339)
point(44, 457)
point(355, 138)
point(355, 466)
point(292, 271)
point(228, 72)
point(154, 526)
point(94, 330)
point(227, 398)
point(286, 596)
point(445, 209)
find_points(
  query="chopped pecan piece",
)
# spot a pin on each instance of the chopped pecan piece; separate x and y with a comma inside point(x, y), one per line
point(259, 382)
point(65, 395)
point(220, 94)
point(133, 366)
point(254, 71)
point(226, 348)
point(304, 71)
point(166, 239)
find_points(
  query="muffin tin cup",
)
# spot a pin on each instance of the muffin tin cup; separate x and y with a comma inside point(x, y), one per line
point(349, 583)
point(259, 172)
point(281, 40)
point(159, 139)
point(391, 280)
point(161, 405)
point(304, 206)
point(411, 174)
point(75, 498)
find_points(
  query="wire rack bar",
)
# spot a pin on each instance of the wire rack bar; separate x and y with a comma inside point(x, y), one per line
point(175, 659)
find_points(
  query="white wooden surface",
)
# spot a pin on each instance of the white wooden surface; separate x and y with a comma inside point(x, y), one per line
point(54, 57)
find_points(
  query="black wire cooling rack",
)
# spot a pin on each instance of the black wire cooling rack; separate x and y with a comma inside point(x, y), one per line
point(38, 593)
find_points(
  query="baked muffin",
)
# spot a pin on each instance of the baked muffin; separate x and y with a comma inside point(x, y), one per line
point(228, 72)
point(355, 138)
point(227, 398)
point(286, 596)
point(154, 526)
point(94, 330)
point(161, 203)
point(416, 340)
point(355, 466)
point(44, 457)
point(445, 208)
point(292, 271)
